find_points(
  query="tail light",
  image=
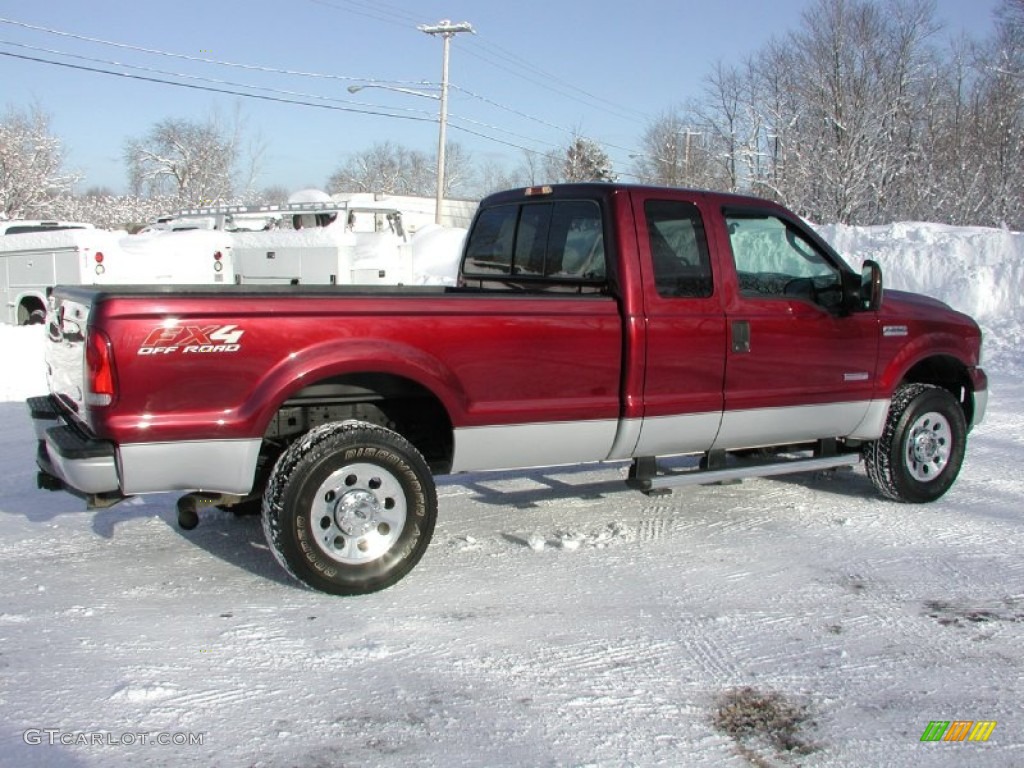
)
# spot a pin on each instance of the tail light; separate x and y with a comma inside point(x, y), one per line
point(100, 385)
point(217, 256)
point(98, 257)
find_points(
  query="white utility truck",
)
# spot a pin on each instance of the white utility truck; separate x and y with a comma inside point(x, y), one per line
point(310, 243)
point(37, 255)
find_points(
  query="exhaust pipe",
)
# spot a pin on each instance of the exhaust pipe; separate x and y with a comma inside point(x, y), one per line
point(188, 513)
point(190, 504)
point(47, 482)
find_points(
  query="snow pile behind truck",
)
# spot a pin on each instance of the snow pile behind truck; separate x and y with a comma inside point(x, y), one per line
point(976, 270)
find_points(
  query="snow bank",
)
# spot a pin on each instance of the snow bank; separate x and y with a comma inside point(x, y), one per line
point(25, 373)
point(976, 270)
point(436, 252)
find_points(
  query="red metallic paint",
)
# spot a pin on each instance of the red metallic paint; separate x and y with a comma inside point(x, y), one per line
point(509, 358)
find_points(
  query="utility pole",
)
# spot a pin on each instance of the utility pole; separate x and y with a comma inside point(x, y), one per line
point(447, 31)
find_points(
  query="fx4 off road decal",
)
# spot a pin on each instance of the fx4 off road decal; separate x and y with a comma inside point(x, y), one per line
point(192, 340)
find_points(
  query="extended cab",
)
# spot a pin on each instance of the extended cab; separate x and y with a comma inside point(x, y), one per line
point(591, 322)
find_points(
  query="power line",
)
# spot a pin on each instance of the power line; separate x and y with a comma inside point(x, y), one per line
point(200, 78)
point(250, 67)
point(201, 59)
point(512, 110)
point(373, 11)
point(545, 79)
point(364, 9)
point(295, 102)
point(213, 89)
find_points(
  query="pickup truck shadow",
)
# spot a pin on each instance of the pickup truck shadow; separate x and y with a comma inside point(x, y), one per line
point(844, 481)
point(548, 483)
point(237, 540)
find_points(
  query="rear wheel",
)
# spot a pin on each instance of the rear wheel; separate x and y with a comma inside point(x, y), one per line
point(920, 453)
point(349, 508)
point(31, 311)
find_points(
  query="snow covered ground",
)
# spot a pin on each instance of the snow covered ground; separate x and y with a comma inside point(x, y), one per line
point(558, 618)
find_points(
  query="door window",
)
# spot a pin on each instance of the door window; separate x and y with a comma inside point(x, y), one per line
point(775, 260)
point(679, 249)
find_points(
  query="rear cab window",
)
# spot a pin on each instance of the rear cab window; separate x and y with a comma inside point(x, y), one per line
point(552, 245)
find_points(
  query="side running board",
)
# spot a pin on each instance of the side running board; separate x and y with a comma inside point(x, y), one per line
point(644, 475)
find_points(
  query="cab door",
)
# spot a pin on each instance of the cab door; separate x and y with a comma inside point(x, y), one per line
point(799, 367)
point(685, 327)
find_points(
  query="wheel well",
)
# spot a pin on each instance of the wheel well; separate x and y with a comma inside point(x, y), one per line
point(950, 374)
point(391, 401)
point(26, 306)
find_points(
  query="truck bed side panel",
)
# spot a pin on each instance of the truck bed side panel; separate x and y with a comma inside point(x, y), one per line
point(186, 372)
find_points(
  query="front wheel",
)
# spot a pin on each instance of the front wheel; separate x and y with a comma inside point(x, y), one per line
point(349, 508)
point(922, 448)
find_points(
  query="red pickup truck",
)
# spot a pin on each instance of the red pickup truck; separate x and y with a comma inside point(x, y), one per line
point(591, 322)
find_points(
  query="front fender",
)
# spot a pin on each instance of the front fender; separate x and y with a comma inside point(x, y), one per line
point(909, 354)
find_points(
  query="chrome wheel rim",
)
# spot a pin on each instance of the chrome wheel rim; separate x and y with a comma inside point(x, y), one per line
point(928, 446)
point(358, 513)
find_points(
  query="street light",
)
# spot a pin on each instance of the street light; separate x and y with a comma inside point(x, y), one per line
point(447, 30)
point(410, 91)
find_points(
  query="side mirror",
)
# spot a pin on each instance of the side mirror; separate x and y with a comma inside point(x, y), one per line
point(870, 286)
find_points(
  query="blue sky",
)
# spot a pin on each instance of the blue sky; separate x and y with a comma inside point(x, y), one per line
point(534, 72)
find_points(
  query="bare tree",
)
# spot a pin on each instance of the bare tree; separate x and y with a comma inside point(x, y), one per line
point(272, 195)
point(195, 161)
point(1010, 34)
point(393, 169)
point(458, 170)
point(734, 120)
point(664, 157)
point(31, 160)
point(494, 176)
point(997, 112)
point(110, 211)
point(388, 168)
point(829, 119)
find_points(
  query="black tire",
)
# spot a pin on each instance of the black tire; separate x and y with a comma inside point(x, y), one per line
point(349, 508)
point(922, 448)
point(37, 317)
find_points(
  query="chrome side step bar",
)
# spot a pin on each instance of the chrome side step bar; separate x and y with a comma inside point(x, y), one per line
point(642, 478)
